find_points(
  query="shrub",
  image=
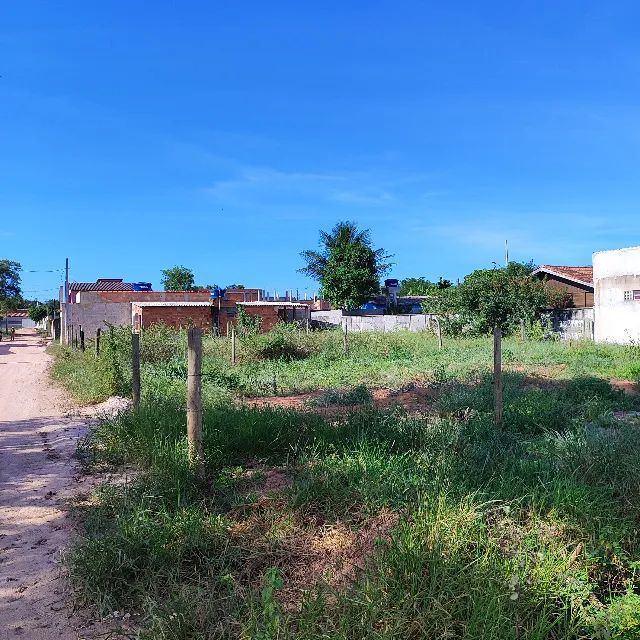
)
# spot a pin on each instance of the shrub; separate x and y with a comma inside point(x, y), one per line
point(357, 395)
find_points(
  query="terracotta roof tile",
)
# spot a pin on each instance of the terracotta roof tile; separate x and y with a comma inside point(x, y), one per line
point(583, 274)
point(101, 285)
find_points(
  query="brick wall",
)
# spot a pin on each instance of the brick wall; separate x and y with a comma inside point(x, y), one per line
point(178, 317)
point(153, 296)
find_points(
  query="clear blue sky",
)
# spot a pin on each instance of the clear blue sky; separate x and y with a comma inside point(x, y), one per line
point(222, 135)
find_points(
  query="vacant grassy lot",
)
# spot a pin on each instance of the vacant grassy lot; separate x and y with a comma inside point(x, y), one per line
point(366, 523)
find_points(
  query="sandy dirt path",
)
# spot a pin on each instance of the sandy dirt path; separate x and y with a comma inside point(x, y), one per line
point(37, 475)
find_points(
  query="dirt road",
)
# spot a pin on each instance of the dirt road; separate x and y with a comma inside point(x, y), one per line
point(37, 441)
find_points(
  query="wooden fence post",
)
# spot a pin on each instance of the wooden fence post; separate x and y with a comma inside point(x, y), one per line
point(523, 334)
point(439, 333)
point(233, 344)
point(345, 339)
point(98, 332)
point(135, 368)
point(82, 340)
point(497, 375)
point(194, 401)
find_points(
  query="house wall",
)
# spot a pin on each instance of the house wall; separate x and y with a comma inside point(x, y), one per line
point(178, 317)
point(581, 296)
point(98, 309)
point(614, 272)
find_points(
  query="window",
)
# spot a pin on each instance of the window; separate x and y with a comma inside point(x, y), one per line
point(632, 295)
point(636, 294)
point(628, 295)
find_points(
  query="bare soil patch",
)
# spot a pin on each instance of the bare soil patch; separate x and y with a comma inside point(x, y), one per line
point(413, 398)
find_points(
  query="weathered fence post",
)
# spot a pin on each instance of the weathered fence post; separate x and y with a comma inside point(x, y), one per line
point(82, 340)
point(98, 332)
point(135, 368)
point(233, 344)
point(497, 375)
point(345, 339)
point(194, 401)
point(439, 332)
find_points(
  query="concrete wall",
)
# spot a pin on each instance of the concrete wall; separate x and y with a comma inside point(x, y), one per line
point(614, 272)
point(572, 324)
point(407, 322)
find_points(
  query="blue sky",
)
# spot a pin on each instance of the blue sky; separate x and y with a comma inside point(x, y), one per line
point(224, 135)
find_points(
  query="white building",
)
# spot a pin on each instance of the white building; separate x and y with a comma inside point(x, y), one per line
point(616, 279)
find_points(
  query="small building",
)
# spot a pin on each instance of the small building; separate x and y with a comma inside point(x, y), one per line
point(18, 319)
point(271, 313)
point(576, 283)
point(179, 315)
point(616, 277)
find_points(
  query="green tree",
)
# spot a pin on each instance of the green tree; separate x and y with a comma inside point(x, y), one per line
point(346, 266)
point(495, 299)
point(422, 286)
point(10, 293)
point(38, 312)
point(177, 279)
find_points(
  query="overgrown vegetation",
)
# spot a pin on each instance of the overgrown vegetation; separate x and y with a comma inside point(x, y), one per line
point(369, 523)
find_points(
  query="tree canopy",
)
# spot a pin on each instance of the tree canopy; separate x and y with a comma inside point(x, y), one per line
point(422, 286)
point(38, 312)
point(347, 267)
point(489, 298)
point(178, 278)
point(10, 293)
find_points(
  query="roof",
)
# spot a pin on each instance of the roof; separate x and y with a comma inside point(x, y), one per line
point(582, 275)
point(102, 284)
point(172, 304)
point(266, 303)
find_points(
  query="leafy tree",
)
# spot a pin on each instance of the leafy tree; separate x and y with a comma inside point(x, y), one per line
point(38, 312)
point(9, 280)
point(177, 279)
point(235, 286)
point(422, 286)
point(10, 293)
point(491, 298)
point(346, 266)
point(494, 300)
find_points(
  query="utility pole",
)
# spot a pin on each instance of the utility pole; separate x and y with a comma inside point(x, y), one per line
point(506, 253)
point(65, 308)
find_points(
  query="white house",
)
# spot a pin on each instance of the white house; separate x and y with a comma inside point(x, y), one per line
point(616, 279)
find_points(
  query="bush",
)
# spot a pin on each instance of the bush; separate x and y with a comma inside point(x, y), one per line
point(357, 395)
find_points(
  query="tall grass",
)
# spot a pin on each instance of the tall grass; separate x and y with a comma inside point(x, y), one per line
point(499, 534)
point(370, 524)
point(289, 361)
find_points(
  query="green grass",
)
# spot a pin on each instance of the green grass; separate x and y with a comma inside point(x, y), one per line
point(287, 361)
point(526, 532)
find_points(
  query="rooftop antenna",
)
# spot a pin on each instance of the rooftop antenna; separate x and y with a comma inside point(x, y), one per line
point(506, 253)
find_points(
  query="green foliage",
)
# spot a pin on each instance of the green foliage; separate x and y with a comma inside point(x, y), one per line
point(177, 279)
point(10, 294)
point(247, 324)
point(359, 395)
point(38, 313)
point(422, 286)
point(347, 267)
point(497, 297)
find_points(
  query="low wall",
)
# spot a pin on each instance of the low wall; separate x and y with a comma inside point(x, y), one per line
point(572, 324)
point(386, 323)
